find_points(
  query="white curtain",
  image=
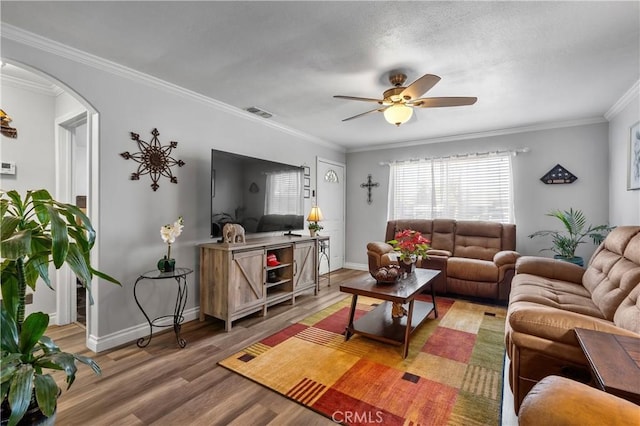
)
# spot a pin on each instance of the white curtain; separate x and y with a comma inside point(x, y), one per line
point(473, 187)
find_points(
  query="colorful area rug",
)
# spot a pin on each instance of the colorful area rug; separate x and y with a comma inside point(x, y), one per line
point(452, 375)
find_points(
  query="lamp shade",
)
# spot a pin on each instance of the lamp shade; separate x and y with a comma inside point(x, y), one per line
point(398, 114)
point(315, 215)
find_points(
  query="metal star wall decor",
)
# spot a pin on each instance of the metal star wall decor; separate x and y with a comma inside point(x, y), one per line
point(155, 159)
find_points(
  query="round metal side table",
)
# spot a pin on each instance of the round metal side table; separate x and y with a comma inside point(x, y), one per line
point(324, 251)
point(180, 276)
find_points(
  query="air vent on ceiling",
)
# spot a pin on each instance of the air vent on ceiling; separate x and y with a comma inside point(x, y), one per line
point(260, 112)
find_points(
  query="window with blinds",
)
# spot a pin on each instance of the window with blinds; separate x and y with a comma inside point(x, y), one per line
point(284, 193)
point(464, 188)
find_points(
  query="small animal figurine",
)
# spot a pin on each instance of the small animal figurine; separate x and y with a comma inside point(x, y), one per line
point(233, 233)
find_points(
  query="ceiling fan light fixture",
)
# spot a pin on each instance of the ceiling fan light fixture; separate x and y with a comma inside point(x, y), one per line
point(398, 101)
point(398, 114)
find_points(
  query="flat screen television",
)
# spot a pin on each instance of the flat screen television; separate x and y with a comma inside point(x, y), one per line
point(260, 195)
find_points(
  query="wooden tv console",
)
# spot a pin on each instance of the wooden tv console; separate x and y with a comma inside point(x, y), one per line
point(235, 280)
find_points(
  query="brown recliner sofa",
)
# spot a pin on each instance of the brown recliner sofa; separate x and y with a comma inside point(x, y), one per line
point(476, 258)
point(549, 298)
point(557, 401)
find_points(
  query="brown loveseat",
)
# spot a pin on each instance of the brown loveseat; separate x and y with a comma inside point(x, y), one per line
point(476, 258)
point(549, 298)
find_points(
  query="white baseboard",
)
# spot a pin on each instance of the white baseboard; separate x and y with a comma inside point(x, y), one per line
point(131, 334)
point(357, 266)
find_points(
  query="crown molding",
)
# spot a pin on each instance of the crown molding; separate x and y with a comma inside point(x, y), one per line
point(491, 133)
point(42, 43)
point(623, 101)
point(32, 86)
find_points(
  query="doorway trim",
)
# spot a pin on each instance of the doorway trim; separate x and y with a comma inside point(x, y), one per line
point(66, 292)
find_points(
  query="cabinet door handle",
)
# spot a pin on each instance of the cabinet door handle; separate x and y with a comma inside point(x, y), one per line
point(295, 268)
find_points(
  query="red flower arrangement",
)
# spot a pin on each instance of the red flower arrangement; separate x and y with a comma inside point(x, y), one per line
point(410, 244)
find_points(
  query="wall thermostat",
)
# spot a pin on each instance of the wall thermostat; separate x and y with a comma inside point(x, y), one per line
point(8, 168)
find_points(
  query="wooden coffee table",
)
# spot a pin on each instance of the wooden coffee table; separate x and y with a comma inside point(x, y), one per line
point(378, 324)
point(614, 362)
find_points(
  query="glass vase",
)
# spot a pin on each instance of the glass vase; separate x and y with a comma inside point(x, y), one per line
point(166, 265)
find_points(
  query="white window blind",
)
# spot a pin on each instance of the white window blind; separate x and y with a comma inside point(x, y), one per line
point(463, 188)
point(284, 193)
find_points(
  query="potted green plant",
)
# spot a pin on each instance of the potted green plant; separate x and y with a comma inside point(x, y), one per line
point(35, 232)
point(575, 232)
point(314, 227)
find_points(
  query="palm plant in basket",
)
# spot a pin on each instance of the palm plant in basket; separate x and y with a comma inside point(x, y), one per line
point(36, 231)
point(565, 243)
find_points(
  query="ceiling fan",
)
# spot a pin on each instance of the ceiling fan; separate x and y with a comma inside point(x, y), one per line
point(398, 102)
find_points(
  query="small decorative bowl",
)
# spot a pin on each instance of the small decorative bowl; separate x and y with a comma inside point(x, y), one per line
point(384, 277)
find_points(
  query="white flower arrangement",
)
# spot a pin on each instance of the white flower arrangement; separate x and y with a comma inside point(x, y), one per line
point(170, 232)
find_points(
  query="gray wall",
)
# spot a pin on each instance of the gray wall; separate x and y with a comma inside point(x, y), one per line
point(624, 205)
point(583, 150)
point(33, 112)
point(130, 213)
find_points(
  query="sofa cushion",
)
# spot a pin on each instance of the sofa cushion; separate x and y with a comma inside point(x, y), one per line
point(611, 276)
point(627, 315)
point(425, 227)
point(632, 251)
point(553, 324)
point(440, 253)
point(472, 269)
point(477, 239)
point(442, 237)
point(553, 293)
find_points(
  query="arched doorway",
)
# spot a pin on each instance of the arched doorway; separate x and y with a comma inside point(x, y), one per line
point(56, 149)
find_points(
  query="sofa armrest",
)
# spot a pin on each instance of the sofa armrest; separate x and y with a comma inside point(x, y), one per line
point(506, 258)
point(505, 261)
point(379, 254)
point(379, 247)
point(556, 324)
point(556, 400)
point(441, 253)
point(550, 268)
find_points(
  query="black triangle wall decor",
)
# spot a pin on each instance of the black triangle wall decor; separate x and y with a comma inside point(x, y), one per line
point(558, 174)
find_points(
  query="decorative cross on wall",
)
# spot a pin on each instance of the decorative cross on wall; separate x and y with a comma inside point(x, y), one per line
point(369, 185)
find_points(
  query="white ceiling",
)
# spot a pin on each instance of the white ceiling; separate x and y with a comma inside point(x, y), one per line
point(529, 63)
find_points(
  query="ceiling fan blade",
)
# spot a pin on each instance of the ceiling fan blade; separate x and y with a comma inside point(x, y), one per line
point(365, 113)
point(354, 98)
point(443, 102)
point(420, 86)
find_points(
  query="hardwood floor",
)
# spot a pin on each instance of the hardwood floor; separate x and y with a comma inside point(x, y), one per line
point(165, 385)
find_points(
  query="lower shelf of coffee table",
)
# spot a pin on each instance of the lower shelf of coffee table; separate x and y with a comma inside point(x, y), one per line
point(378, 324)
